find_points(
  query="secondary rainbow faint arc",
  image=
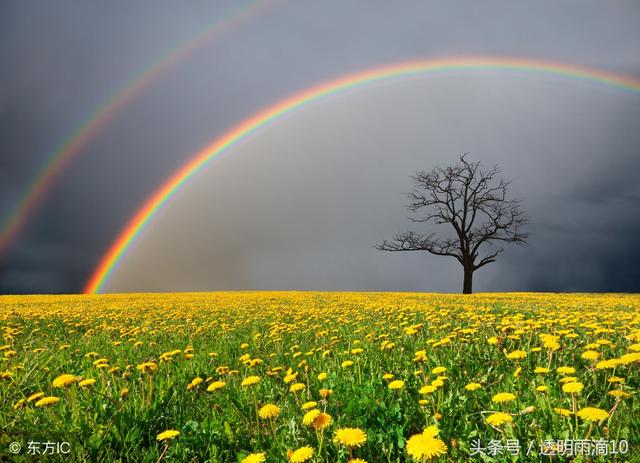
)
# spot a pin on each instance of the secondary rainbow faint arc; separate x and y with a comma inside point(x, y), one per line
point(105, 112)
point(263, 118)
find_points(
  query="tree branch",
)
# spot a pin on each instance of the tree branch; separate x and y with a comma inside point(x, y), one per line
point(411, 241)
point(474, 201)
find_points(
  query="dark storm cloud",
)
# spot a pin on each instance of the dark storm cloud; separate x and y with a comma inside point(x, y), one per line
point(64, 58)
point(585, 239)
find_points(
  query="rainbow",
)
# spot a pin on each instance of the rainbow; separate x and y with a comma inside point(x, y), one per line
point(106, 111)
point(268, 116)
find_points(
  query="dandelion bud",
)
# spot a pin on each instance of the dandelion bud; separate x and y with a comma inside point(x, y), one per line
point(529, 409)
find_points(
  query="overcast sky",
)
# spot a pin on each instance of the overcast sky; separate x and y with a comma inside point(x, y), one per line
point(301, 204)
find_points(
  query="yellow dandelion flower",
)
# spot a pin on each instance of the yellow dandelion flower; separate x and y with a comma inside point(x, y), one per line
point(250, 381)
point(473, 386)
point(301, 455)
point(269, 411)
point(431, 431)
point(168, 434)
point(542, 388)
point(87, 382)
point(568, 379)
point(346, 364)
point(420, 356)
point(322, 376)
point(19, 404)
point(563, 411)
point(428, 389)
point(616, 379)
point(516, 355)
point(550, 342)
point(574, 387)
point(350, 437)
point(309, 405)
point(590, 355)
point(147, 367)
point(541, 370)
point(124, 392)
point(592, 414)
point(438, 370)
point(45, 401)
point(35, 396)
point(618, 394)
point(215, 385)
point(254, 458)
point(297, 387)
point(424, 447)
point(566, 370)
point(498, 419)
point(65, 380)
point(387, 376)
point(492, 340)
point(290, 377)
point(322, 421)
point(397, 384)
point(606, 364)
point(356, 460)
point(308, 417)
point(325, 393)
point(631, 357)
point(503, 397)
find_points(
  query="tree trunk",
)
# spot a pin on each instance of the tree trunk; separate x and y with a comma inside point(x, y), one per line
point(467, 286)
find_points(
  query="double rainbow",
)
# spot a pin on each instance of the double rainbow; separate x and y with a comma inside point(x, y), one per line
point(106, 111)
point(272, 114)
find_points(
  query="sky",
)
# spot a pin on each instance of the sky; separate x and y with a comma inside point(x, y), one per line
point(301, 204)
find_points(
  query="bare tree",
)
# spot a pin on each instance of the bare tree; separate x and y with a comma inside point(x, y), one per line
point(475, 203)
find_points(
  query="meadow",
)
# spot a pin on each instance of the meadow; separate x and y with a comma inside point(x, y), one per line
point(320, 377)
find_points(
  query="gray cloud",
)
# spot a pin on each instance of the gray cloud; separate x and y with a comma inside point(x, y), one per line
point(300, 205)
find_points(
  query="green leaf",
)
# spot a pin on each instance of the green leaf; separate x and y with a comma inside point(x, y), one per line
point(228, 431)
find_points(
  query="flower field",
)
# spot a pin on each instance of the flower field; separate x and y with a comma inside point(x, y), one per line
point(320, 377)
